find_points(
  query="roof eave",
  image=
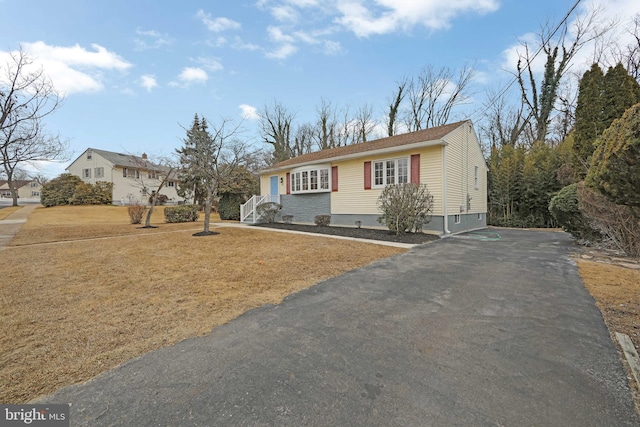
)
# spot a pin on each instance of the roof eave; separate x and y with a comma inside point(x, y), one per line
point(379, 151)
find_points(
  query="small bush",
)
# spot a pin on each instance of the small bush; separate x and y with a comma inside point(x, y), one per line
point(619, 225)
point(564, 207)
point(405, 207)
point(322, 220)
point(162, 199)
point(182, 213)
point(59, 191)
point(268, 211)
point(229, 206)
point(287, 219)
point(99, 193)
point(136, 212)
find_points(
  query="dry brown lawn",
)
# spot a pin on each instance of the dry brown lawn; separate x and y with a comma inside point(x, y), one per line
point(72, 309)
point(616, 290)
point(5, 212)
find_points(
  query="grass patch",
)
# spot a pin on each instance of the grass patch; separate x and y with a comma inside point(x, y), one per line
point(71, 311)
point(67, 223)
point(617, 293)
point(5, 212)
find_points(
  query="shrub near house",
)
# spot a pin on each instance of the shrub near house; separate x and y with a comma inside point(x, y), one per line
point(68, 189)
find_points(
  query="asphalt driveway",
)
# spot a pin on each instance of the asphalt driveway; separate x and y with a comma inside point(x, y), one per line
point(469, 331)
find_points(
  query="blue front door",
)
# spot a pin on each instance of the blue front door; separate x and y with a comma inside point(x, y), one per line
point(274, 185)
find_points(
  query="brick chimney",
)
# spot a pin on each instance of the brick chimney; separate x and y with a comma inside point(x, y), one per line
point(144, 156)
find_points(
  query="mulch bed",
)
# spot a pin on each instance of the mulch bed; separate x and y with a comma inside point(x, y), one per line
point(360, 233)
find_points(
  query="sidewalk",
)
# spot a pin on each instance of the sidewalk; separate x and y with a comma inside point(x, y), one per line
point(13, 223)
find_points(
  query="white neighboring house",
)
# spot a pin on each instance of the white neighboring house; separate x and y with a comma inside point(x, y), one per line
point(134, 178)
point(27, 189)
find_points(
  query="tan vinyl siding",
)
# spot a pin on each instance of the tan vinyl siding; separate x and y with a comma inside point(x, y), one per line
point(463, 155)
point(352, 198)
point(264, 184)
point(431, 174)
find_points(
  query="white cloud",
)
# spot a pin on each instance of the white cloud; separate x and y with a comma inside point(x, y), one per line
point(211, 64)
point(148, 81)
point(239, 44)
point(620, 11)
point(365, 17)
point(283, 52)
point(73, 69)
point(150, 39)
point(276, 35)
point(249, 112)
point(332, 48)
point(78, 56)
point(191, 75)
point(303, 3)
point(284, 13)
point(219, 24)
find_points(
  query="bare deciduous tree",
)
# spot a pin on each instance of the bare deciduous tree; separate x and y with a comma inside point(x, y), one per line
point(275, 125)
point(363, 124)
point(540, 97)
point(394, 107)
point(325, 134)
point(434, 94)
point(503, 124)
point(303, 140)
point(152, 177)
point(27, 96)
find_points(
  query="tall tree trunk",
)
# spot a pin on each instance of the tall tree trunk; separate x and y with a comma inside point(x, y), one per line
point(207, 210)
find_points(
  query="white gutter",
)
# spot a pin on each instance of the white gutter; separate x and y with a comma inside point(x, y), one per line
point(444, 189)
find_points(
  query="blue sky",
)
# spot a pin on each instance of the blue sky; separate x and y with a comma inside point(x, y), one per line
point(134, 71)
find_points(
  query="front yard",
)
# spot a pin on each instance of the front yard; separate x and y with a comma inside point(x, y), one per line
point(83, 291)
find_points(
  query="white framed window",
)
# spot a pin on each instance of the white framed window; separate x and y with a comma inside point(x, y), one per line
point(34, 185)
point(86, 173)
point(476, 179)
point(456, 219)
point(391, 171)
point(310, 179)
point(130, 173)
point(153, 175)
point(89, 155)
point(99, 172)
point(171, 183)
point(35, 194)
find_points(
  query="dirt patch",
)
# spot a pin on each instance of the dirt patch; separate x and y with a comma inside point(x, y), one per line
point(71, 311)
point(360, 233)
point(614, 282)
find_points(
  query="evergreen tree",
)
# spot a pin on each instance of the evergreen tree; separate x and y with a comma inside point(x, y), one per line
point(505, 184)
point(540, 183)
point(189, 185)
point(615, 168)
point(621, 91)
point(589, 123)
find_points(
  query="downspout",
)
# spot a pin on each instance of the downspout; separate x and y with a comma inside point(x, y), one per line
point(444, 189)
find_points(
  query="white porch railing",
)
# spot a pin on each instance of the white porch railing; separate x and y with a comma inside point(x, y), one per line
point(248, 209)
